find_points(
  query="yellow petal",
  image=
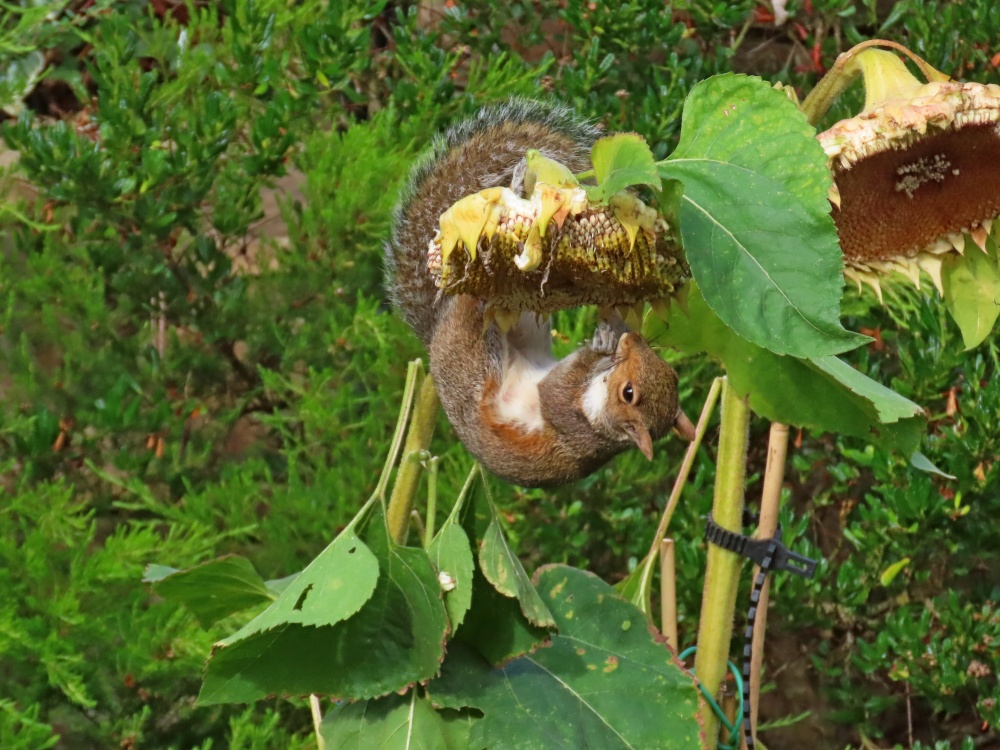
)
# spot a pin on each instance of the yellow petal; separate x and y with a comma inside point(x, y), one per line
point(979, 235)
point(552, 200)
point(833, 194)
point(543, 169)
point(633, 214)
point(628, 223)
point(932, 264)
point(872, 281)
point(852, 275)
point(448, 237)
point(530, 256)
point(492, 222)
point(909, 268)
point(495, 198)
point(463, 221)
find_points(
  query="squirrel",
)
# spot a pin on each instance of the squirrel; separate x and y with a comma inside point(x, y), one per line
point(530, 419)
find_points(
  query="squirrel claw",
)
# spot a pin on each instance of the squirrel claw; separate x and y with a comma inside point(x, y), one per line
point(605, 339)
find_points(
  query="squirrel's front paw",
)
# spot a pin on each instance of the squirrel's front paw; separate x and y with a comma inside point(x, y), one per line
point(605, 339)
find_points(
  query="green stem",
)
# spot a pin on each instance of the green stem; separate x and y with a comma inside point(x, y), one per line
point(317, 717)
point(414, 373)
point(845, 70)
point(649, 561)
point(418, 440)
point(722, 572)
point(432, 484)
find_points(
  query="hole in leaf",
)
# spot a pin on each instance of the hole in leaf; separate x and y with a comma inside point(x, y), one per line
point(351, 550)
point(302, 597)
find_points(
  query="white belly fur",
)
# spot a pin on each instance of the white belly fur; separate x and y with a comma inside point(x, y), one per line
point(529, 360)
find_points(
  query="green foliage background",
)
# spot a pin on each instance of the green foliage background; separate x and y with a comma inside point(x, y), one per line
point(173, 387)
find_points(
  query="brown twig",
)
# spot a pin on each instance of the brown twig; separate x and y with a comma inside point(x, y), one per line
point(668, 593)
point(770, 504)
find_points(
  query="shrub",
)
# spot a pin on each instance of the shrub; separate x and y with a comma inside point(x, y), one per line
point(176, 384)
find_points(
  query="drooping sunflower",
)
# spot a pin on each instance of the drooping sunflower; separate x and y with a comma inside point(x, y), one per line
point(917, 181)
point(554, 248)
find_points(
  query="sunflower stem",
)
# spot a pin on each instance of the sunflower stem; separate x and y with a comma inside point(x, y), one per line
point(418, 440)
point(849, 66)
point(723, 567)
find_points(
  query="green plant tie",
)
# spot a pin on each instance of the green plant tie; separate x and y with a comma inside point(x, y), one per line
point(733, 727)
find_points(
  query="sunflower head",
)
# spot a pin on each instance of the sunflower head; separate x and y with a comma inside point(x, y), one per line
point(917, 176)
point(555, 248)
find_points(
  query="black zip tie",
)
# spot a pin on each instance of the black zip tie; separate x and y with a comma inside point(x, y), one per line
point(759, 550)
point(769, 554)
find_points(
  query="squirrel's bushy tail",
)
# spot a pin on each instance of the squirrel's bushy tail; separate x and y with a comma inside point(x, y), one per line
point(484, 151)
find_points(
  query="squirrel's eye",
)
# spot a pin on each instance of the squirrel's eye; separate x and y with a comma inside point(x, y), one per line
point(627, 393)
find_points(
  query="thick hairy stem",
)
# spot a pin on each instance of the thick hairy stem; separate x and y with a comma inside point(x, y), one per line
point(414, 376)
point(723, 568)
point(418, 440)
point(432, 476)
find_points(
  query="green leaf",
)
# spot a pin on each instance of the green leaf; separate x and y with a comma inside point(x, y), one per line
point(504, 571)
point(458, 728)
point(499, 624)
point(451, 556)
point(364, 619)
point(495, 625)
point(972, 292)
point(213, 589)
point(543, 169)
point(396, 723)
point(889, 574)
point(636, 588)
point(497, 561)
point(622, 160)
point(278, 585)
point(606, 681)
point(919, 461)
point(18, 80)
point(332, 588)
point(755, 219)
point(823, 394)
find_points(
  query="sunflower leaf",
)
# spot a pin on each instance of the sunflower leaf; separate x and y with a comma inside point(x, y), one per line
point(972, 292)
point(755, 219)
point(820, 393)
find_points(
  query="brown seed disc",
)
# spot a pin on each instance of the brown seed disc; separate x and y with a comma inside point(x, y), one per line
point(897, 202)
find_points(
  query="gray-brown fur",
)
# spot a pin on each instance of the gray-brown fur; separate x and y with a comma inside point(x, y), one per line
point(469, 360)
point(564, 451)
point(482, 152)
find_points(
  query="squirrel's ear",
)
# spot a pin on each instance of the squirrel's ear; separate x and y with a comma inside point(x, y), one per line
point(640, 435)
point(683, 427)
